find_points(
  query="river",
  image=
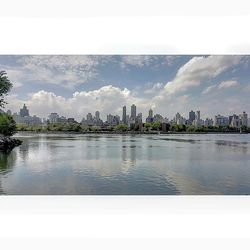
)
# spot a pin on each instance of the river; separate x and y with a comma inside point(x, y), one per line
point(73, 164)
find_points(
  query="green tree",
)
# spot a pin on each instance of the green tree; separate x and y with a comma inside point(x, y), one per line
point(5, 86)
point(121, 127)
point(7, 125)
point(156, 125)
point(148, 126)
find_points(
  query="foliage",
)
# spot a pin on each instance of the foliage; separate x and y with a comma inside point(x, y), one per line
point(5, 86)
point(121, 127)
point(156, 125)
point(7, 125)
point(148, 126)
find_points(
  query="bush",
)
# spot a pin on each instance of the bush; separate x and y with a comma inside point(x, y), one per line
point(7, 125)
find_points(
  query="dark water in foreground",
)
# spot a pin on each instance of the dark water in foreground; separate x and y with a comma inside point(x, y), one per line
point(124, 164)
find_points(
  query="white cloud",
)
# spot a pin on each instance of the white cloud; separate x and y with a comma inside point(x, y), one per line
point(153, 61)
point(228, 84)
point(154, 89)
point(107, 99)
point(200, 69)
point(209, 89)
point(65, 70)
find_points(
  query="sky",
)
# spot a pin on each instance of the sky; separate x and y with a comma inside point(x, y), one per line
point(73, 85)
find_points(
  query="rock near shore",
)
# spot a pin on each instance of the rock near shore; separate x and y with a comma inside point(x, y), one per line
point(7, 144)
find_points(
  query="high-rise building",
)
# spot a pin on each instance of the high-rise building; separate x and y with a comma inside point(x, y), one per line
point(150, 113)
point(197, 121)
point(150, 116)
point(220, 120)
point(124, 114)
point(133, 112)
point(235, 121)
point(97, 115)
point(243, 119)
point(89, 117)
point(110, 119)
point(191, 116)
point(139, 118)
point(53, 118)
point(24, 111)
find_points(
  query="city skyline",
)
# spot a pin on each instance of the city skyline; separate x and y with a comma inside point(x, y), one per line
point(194, 118)
point(77, 85)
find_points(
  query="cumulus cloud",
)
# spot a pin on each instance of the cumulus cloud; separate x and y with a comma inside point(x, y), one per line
point(107, 99)
point(200, 69)
point(227, 84)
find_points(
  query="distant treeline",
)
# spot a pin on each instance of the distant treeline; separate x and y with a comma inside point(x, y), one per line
point(146, 127)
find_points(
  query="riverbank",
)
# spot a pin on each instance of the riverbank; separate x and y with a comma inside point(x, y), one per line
point(132, 132)
point(8, 143)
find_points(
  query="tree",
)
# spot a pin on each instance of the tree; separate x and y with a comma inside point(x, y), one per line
point(7, 125)
point(156, 125)
point(148, 126)
point(5, 86)
point(121, 127)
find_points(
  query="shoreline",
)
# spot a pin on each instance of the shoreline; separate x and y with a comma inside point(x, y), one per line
point(128, 132)
point(8, 143)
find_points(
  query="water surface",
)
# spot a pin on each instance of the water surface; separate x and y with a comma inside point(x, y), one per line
point(127, 164)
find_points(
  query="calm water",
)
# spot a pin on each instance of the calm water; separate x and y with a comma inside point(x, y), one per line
point(124, 164)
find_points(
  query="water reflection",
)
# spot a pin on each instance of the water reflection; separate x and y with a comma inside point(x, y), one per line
point(233, 145)
point(123, 164)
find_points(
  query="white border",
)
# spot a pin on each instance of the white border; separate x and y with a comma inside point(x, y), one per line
point(112, 27)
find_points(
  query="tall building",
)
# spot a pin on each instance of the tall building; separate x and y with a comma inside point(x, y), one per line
point(150, 113)
point(54, 118)
point(197, 121)
point(244, 119)
point(89, 117)
point(124, 114)
point(97, 115)
point(24, 111)
point(235, 121)
point(139, 118)
point(110, 119)
point(220, 120)
point(191, 116)
point(133, 112)
point(150, 116)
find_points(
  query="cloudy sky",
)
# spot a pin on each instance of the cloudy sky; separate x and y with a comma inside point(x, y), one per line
point(75, 85)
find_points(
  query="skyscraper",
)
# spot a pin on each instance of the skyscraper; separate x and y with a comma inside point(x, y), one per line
point(124, 115)
point(244, 119)
point(97, 115)
point(133, 112)
point(24, 111)
point(191, 116)
point(150, 113)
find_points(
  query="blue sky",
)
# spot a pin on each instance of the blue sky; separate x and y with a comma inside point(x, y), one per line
point(75, 85)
